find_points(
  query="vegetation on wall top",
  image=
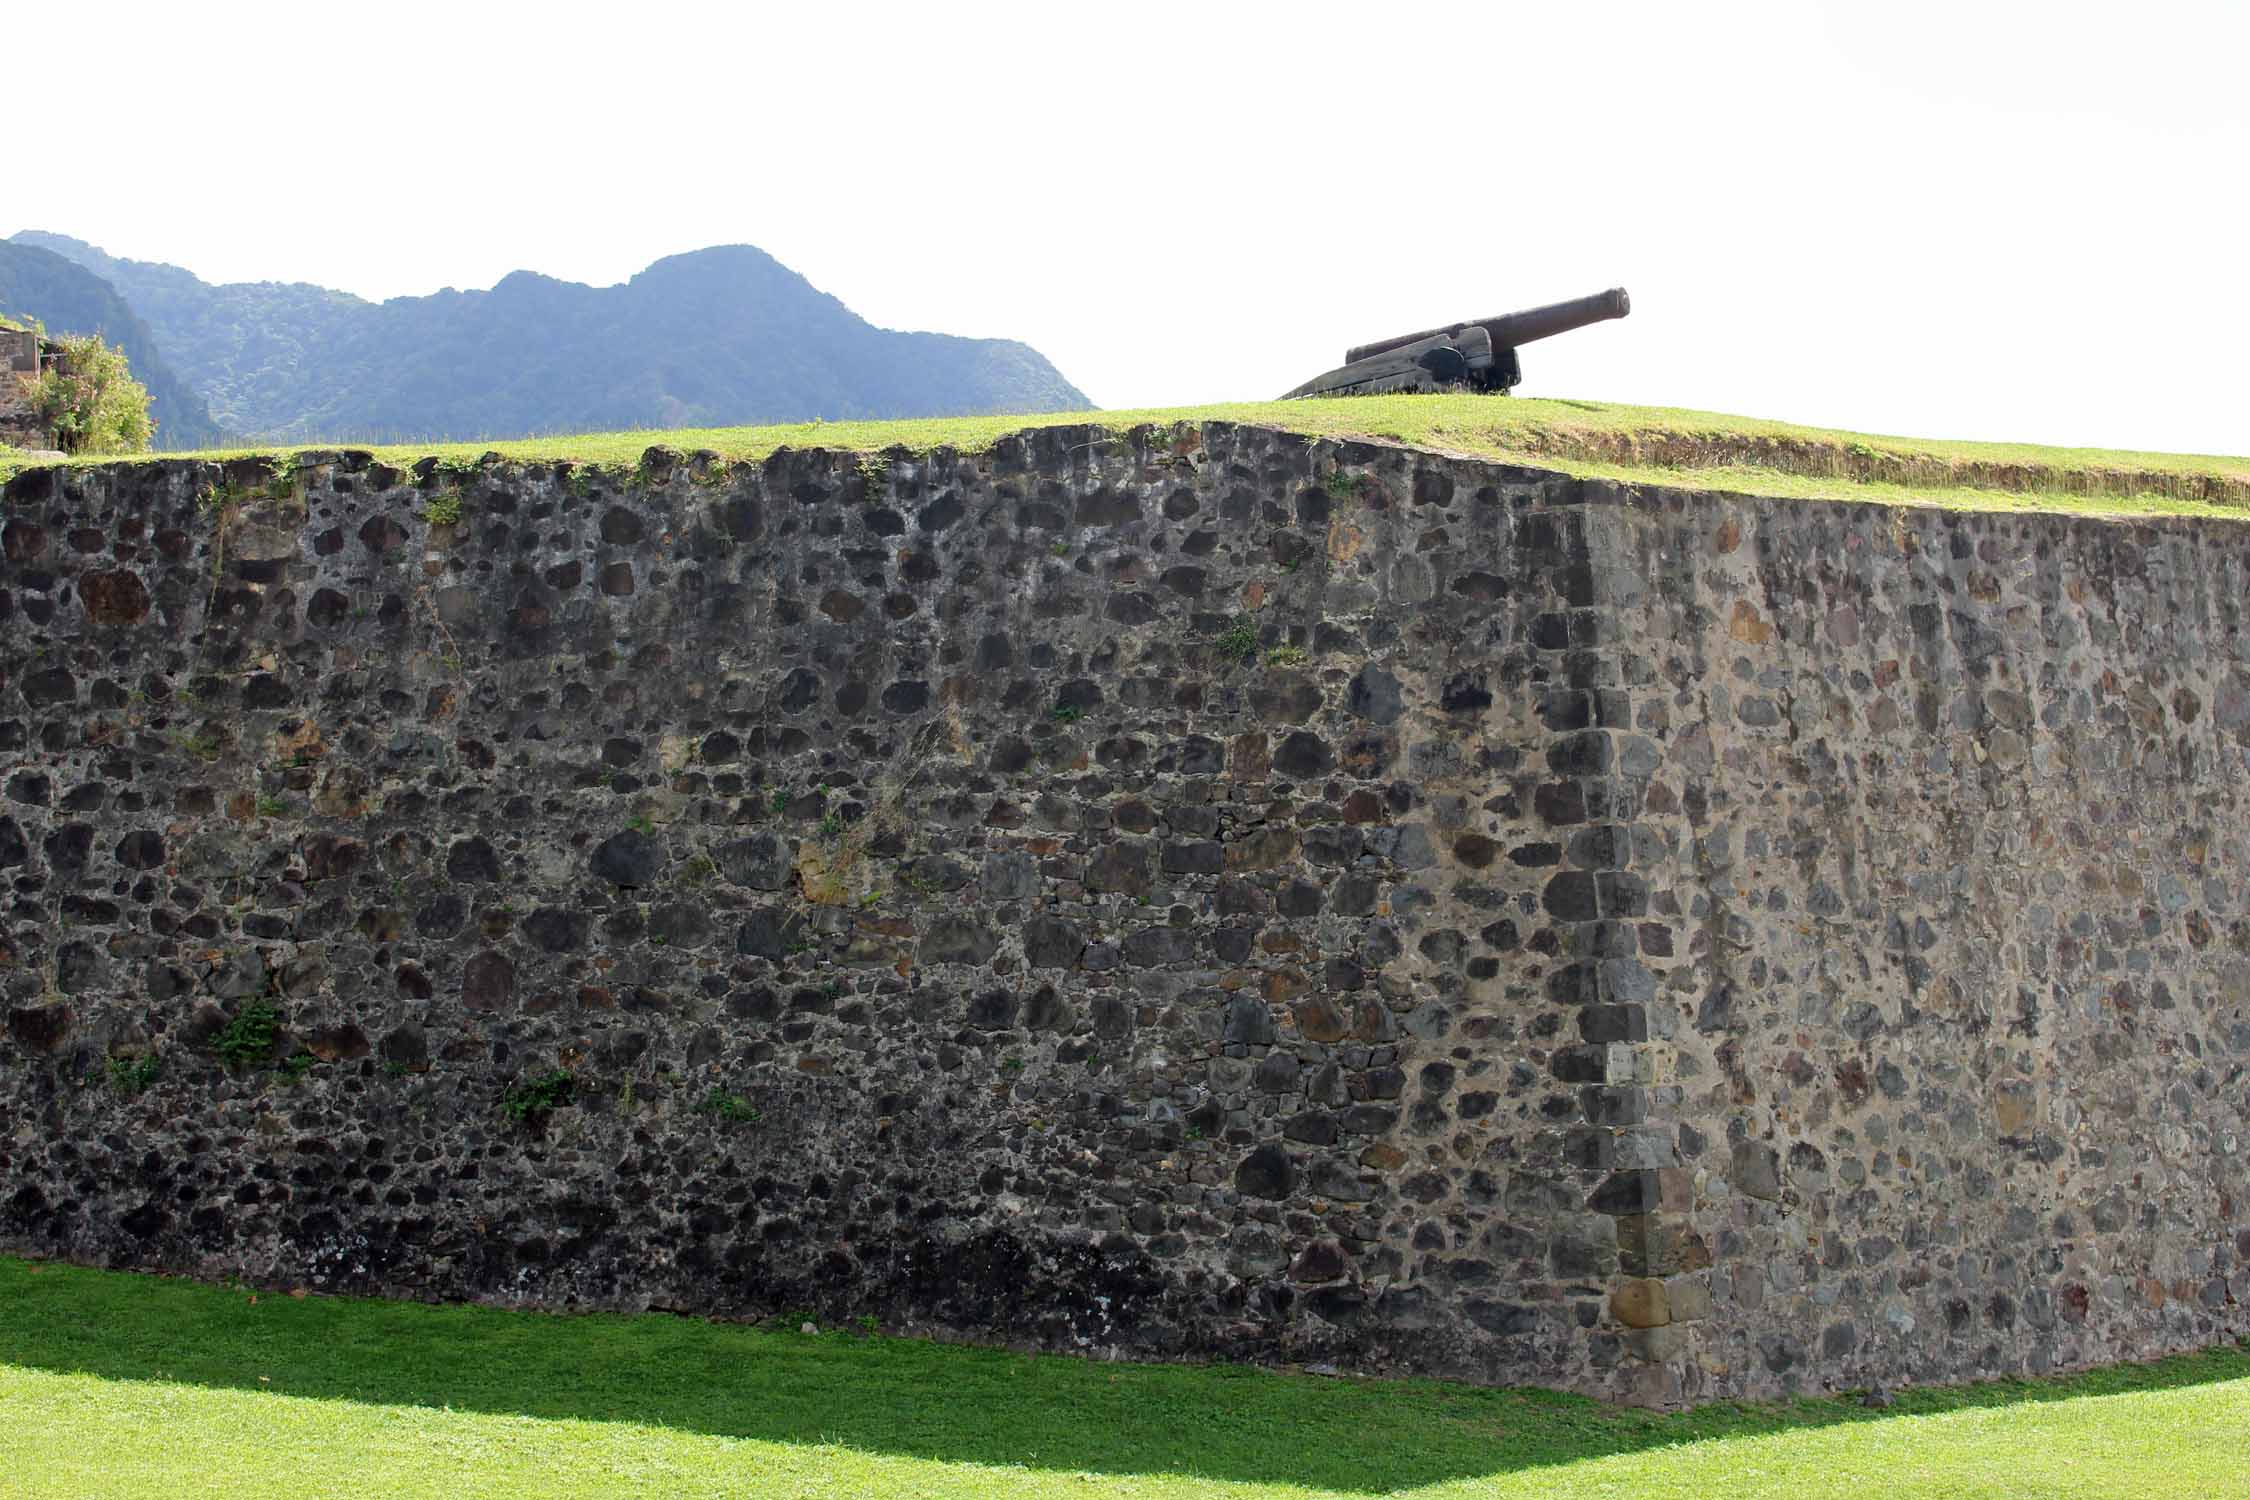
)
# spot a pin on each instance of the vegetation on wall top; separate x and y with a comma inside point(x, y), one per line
point(89, 399)
point(1635, 444)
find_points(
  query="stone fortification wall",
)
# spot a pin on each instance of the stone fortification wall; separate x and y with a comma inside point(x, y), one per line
point(1208, 893)
point(1953, 812)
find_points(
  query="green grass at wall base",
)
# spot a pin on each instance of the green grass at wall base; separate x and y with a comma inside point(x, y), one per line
point(124, 1385)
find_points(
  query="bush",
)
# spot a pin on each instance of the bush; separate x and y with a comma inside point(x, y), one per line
point(91, 401)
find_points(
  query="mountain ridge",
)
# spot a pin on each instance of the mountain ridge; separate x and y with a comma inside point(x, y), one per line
point(719, 336)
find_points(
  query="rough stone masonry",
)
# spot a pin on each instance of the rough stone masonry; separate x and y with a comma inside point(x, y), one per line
point(1206, 893)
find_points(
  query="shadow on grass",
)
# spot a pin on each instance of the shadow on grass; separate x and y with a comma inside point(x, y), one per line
point(905, 1397)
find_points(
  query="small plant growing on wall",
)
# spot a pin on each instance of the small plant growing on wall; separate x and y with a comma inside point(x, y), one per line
point(134, 1075)
point(874, 477)
point(1239, 641)
point(247, 1041)
point(282, 489)
point(443, 508)
point(219, 499)
point(529, 1101)
point(731, 1109)
point(1343, 486)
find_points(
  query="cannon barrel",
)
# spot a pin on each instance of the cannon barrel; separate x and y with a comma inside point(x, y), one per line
point(1511, 329)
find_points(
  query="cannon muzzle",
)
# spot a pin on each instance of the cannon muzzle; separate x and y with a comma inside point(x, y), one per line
point(1511, 329)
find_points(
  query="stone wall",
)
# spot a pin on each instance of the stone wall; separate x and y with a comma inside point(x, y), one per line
point(1951, 812)
point(1212, 893)
point(19, 367)
point(20, 426)
point(19, 351)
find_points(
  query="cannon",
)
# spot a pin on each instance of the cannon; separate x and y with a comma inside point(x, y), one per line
point(1479, 355)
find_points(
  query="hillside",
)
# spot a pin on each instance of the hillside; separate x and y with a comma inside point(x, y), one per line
point(722, 335)
point(1639, 444)
point(70, 299)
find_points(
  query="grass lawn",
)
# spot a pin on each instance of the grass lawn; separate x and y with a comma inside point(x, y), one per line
point(114, 1384)
point(1638, 443)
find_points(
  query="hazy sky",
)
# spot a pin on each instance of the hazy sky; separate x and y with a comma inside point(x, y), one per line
point(2025, 221)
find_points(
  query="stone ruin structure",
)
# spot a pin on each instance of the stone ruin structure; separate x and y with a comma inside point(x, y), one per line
point(1209, 893)
point(19, 351)
point(22, 352)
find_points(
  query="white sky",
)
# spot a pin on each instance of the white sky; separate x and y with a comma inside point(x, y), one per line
point(1961, 219)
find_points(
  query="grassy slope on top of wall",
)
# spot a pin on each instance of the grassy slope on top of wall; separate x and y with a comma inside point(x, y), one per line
point(1641, 444)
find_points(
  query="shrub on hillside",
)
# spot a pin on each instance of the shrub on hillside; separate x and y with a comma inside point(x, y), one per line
point(91, 401)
